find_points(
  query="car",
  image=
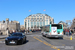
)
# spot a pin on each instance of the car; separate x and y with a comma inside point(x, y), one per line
point(15, 38)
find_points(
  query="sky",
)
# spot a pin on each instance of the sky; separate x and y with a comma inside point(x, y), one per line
point(60, 10)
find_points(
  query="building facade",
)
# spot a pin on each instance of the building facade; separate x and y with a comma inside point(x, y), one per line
point(73, 24)
point(9, 25)
point(22, 27)
point(64, 24)
point(35, 21)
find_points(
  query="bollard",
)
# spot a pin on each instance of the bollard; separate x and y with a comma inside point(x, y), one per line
point(70, 37)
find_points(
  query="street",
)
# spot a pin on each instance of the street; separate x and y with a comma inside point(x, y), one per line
point(36, 41)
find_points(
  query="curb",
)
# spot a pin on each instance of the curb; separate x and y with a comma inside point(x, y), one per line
point(3, 38)
point(69, 37)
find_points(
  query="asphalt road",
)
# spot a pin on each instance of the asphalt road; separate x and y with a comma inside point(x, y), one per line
point(37, 42)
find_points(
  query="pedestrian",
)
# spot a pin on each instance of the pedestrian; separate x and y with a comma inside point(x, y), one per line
point(11, 32)
point(1, 32)
point(72, 32)
point(14, 31)
point(67, 32)
point(64, 31)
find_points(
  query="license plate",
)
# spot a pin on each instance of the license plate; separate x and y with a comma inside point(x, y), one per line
point(56, 36)
point(12, 42)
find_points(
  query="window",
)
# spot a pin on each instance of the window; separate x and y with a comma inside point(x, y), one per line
point(37, 19)
point(34, 16)
point(31, 19)
point(34, 19)
point(40, 19)
point(28, 21)
point(31, 24)
point(34, 23)
point(37, 23)
point(59, 26)
point(43, 23)
point(40, 23)
point(40, 15)
point(46, 22)
point(37, 15)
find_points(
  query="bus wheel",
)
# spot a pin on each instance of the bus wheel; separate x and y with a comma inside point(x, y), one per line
point(46, 36)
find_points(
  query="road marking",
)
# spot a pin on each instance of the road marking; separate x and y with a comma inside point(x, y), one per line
point(58, 49)
point(44, 42)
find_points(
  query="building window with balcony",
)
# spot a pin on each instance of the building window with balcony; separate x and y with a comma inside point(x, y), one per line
point(31, 24)
point(37, 23)
point(31, 19)
point(40, 24)
point(37, 19)
point(46, 22)
point(34, 19)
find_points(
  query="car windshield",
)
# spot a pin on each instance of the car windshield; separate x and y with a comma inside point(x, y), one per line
point(59, 26)
point(16, 34)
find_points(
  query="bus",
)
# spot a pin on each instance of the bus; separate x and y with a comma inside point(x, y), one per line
point(53, 30)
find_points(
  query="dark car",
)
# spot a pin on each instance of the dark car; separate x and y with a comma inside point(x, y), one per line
point(15, 38)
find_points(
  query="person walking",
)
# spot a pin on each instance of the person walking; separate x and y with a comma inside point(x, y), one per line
point(14, 31)
point(67, 32)
point(64, 31)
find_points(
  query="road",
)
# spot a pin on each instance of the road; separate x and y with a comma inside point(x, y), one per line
point(36, 41)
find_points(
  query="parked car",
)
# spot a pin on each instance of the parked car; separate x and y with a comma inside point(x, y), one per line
point(15, 38)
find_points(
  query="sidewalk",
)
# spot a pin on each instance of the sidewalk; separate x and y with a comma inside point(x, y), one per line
point(73, 36)
point(28, 33)
point(3, 36)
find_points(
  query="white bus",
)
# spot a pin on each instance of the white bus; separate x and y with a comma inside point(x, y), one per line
point(53, 30)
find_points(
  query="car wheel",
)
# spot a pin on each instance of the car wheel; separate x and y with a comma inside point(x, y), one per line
point(25, 39)
point(6, 43)
point(21, 42)
point(46, 36)
point(42, 35)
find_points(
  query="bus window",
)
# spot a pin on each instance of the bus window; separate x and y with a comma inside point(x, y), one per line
point(59, 26)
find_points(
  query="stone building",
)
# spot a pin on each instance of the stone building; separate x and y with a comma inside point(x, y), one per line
point(73, 24)
point(35, 21)
point(22, 27)
point(9, 25)
point(64, 24)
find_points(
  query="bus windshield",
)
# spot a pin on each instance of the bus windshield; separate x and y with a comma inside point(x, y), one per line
point(59, 26)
